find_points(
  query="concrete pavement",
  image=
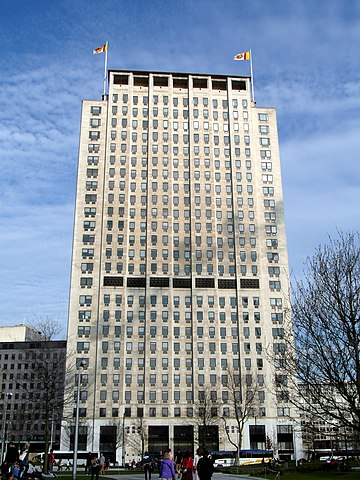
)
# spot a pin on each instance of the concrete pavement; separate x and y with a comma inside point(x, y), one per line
point(154, 476)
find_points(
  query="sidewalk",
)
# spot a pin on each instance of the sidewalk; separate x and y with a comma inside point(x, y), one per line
point(154, 476)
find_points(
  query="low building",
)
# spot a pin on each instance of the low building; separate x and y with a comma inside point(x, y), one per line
point(32, 370)
point(19, 333)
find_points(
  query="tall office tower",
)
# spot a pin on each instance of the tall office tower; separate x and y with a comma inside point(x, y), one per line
point(179, 269)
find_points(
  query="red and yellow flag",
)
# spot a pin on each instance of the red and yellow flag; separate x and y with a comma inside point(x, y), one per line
point(242, 56)
point(101, 49)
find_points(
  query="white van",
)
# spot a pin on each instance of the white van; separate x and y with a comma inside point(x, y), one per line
point(224, 462)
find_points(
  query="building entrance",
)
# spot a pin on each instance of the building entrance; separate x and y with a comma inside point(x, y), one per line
point(184, 438)
point(158, 439)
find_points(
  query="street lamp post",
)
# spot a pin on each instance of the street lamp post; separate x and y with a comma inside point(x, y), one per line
point(4, 425)
point(238, 447)
point(76, 436)
point(123, 441)
point(52, 429)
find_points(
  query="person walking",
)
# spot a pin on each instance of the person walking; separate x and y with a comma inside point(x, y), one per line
point(178, 460)
point(51, 460)
point(205, 466)
point(187, 467)
point(102, 463)
point(12, 454)
point(198, 455)
point(167, 470)
point(95, 468)
point(147, 465)
point(88, 464)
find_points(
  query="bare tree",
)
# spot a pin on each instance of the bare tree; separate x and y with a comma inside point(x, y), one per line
point(42, 384)
point(50, 377)
point(206, 419)
point(68, 430)
point(120, 434)
point(120, 437)
point(137, 438)
point(242, 402)
point(322, 366)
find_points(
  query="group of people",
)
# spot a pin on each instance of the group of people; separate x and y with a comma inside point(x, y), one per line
point(95, 465)
point(16, 464)
point(183, 466)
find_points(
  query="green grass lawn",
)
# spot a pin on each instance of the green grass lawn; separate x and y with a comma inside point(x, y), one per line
point(355, 475)
point(309, 472)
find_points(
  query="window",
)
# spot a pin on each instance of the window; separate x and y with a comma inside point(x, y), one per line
point(95, 110)
point(263, 117)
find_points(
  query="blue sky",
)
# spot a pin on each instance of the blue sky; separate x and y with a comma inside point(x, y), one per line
point(306, 64)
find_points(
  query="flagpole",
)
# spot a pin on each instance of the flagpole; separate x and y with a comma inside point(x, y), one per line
point(252, 77)
point(105, 67)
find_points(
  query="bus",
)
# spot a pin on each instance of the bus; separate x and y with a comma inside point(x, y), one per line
point(65, 457)
point(227, 458)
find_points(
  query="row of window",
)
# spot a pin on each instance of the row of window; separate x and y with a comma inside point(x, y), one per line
point(90, 239)
point(176, 200)
point(85, 315)
point(95, 135)
point(95, 148)
point(177, 347)
point(88, 253)
point(136, 112)
point(29, 355)
point(90, 225)
point(211, 379)
point(96, 110)
point(175, 213)
point(177, 412)
point(175, 187)
point(164, 253)
point(266, 178)
point(153, 395)
point(178, 269)
point(185, 162)
point(210, 240)
point(177, 361)
point(178, 301)
point(176, 125)
point(200, 300)
point(174, 112)
point(176, 332)
point(175, 138)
